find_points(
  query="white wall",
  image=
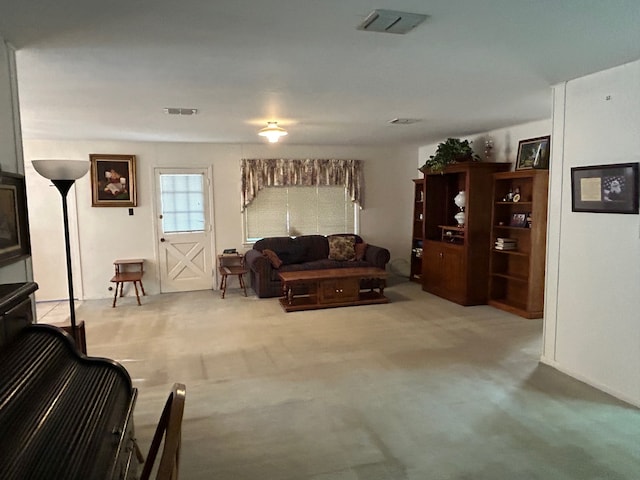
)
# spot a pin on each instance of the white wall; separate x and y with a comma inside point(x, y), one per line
point(105, 234)
point(505, 141)
point(592, 327)
point(10, 145)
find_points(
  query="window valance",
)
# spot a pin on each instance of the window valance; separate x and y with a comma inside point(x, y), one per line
point(276, 172)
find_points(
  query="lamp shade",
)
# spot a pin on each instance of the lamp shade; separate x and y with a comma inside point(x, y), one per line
point(61, 169)
point(273, 132)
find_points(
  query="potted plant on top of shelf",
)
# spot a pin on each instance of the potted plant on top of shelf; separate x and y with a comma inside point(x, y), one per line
point(450, 151)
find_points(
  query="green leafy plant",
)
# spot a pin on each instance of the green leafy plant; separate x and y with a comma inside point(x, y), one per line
point(450, 151)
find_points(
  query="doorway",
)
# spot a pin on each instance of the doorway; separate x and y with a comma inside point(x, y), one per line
point(184, 232)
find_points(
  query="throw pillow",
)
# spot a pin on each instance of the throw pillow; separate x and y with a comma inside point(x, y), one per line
point(361, 249)
point(273, 257)
point(341, 248)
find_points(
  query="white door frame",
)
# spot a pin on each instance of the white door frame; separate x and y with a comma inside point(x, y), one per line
point(208, 169)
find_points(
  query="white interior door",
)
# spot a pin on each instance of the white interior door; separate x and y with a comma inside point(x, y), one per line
point(184, 229)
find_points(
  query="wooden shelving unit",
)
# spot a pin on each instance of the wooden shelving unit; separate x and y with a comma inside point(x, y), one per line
point(455, 260)
point(516, 280)
point(417, 234)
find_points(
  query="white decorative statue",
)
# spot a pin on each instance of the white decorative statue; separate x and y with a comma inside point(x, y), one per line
point(461, 201)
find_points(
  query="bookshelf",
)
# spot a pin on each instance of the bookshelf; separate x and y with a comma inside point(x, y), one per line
point(519, 214)
point(455, 260)
point(417, 233)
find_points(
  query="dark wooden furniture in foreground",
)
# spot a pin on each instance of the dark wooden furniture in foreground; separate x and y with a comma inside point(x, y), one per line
point(170, 429)
point(455, 260)
point(124, 275)
point(335, 287)
point(62, 414)
point(517, 271)
point(78, 334)
point(16, 310)
point(231, 264)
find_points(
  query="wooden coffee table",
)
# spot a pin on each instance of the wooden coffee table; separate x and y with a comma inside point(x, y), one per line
point(336, 287)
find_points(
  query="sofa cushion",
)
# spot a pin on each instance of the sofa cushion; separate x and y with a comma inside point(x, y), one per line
point(316, 245)
point(273, 257)
point(341, 247)
point(295, 253)
point(361, 249)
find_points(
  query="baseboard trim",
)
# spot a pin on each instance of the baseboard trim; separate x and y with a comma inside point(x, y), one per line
point(614, 393)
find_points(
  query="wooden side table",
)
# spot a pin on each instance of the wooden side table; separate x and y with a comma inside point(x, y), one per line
point(231, 264)
point(129, 270)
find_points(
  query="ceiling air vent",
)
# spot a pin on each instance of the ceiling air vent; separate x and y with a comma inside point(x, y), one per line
point(391, 21)
point(180, 111)
point(403, 121)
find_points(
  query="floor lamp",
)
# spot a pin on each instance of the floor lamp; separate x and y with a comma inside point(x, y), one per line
point(63, 174)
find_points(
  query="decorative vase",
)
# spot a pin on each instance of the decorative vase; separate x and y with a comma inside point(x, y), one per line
point(459, 218)
point(460, 200)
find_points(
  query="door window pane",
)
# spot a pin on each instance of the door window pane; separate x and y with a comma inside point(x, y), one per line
point(182, 198)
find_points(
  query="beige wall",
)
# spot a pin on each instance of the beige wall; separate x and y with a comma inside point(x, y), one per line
point(104, 234)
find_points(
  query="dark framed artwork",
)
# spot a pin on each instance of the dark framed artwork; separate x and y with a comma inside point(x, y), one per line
point(113, 180)
point(15, 243)
point(605, 188)
point(533, 153)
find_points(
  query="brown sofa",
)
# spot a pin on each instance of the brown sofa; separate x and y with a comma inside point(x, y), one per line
point(306, 252)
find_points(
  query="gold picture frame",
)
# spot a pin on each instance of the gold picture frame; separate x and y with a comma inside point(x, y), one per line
point(113, 180)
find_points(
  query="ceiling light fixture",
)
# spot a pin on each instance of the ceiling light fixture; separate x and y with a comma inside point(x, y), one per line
point(273, 132)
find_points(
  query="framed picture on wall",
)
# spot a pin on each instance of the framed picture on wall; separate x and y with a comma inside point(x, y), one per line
point(113, 180)
point(605, 188)
point(533, 153)
point(15, 243)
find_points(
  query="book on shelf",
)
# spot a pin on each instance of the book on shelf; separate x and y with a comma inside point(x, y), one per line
point(503, 243)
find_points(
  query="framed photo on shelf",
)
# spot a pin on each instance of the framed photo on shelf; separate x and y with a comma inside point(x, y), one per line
point(605, 188)
point(14, 227)
point(113, 180)
point(518, 220)
point(533, 153)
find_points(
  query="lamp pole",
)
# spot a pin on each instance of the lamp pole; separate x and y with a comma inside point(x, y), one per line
point(63, 187)
point(63, 174)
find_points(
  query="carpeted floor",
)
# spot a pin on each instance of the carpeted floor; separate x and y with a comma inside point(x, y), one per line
point(417, 389)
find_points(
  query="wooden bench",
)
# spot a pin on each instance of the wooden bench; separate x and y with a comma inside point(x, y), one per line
point(123, 275)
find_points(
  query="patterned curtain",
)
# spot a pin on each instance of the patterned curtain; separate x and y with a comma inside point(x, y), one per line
point(277, 172)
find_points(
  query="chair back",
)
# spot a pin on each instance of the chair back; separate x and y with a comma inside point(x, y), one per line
point(170, 428)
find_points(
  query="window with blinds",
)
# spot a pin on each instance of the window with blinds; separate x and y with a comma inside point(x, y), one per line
point(294, 211)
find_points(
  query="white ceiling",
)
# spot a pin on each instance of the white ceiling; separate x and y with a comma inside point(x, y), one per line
point(106, 69)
